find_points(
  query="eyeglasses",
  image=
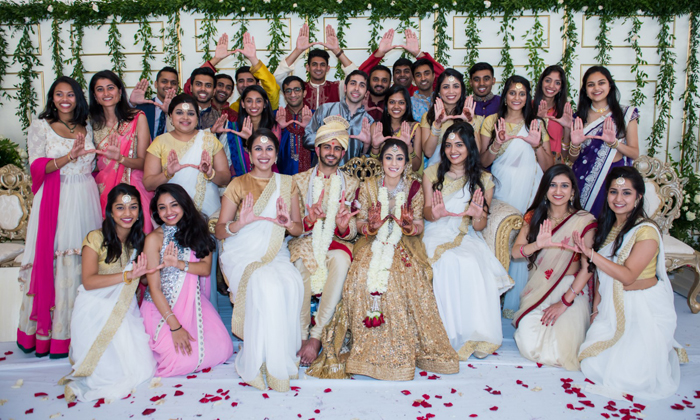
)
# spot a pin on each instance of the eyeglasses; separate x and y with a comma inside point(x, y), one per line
point(290, 90)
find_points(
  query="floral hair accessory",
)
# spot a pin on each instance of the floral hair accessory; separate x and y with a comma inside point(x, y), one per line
point(264, 139)
point(186, 106)
point(452, 136)
point(620, 181)
point(126, 199)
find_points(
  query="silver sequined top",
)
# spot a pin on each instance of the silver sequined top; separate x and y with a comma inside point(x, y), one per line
point(171, 278)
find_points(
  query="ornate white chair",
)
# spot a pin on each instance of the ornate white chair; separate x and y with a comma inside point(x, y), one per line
point(662, 203)
point(15, 204)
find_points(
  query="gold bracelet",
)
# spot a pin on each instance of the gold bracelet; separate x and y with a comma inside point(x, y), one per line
point(56, 164)
point(614, 145)
point(126, 280)
point(70, 157)
point(574, 147)
point(213, 174)
point(413, 155)
point(372, 155)
point(492, 151)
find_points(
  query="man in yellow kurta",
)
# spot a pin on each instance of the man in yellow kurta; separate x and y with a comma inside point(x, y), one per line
point(324, 252)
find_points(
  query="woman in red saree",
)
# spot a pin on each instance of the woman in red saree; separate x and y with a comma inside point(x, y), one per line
point(122, 133)
point(552, 320)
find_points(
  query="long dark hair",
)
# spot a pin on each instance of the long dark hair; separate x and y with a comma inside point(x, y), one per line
point(394, 142)
point(267, 118)
point(540, 205)
point(123, 111)
point(192, 229)
point(386, 117)
point(559, 98)
point(136, 236)
point(81, 112)
point(584, 102)
point(436, 94)
point(529, 112)
point(607, 218)
point(472, 165)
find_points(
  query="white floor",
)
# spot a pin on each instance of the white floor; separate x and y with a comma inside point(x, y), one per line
point(526, 392)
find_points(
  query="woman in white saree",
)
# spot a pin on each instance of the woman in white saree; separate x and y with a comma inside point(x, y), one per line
point(516, 146)
point(257, 210)
point(629, 348)
point(109, 347)
point(468, 279)
point(191, 158)
point(552, 320)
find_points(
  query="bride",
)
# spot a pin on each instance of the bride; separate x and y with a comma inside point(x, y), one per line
point(388, 304)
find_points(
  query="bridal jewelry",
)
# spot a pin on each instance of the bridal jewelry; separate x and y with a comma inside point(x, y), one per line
point(601, 110)
point(394, 148)
point(126, 199)
point(519, 86)
point(67, 126)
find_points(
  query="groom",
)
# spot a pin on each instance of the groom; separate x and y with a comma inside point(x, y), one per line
point(323, 253)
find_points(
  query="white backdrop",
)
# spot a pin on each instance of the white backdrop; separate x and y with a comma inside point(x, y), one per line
point(96, 57)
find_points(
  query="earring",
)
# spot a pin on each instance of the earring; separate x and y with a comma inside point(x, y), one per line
point(571, 200)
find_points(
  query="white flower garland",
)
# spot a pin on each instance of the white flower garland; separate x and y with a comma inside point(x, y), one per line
point(384, 244)
point(323, 231)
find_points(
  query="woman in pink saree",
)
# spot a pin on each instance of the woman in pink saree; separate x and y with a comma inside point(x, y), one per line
point(122, 133)
point(187, 334)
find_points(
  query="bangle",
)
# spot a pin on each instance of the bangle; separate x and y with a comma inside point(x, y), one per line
point(434, 130)
point(538, 146)
point(229, 230)
point(492, 151)
point(127, 280)
point(56, 164)
point(614, 145)
point(373, 155)
point(213, 174)
point(563, 300)
point(70, 157)
point(120, 160)
point(594, 312)
point(187, 266)
point(522, 251)
point(413, 155)
point(572, 290)
point(169, 315)
point(167, 176)
point(340, 53)
point(574, 152)
point(177, 329)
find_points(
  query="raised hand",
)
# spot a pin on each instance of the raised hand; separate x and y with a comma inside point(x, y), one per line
point(220, 124)
point(306, 116)
point(438, 206)
point(412, 45)
point(467, 114)
point(364, 135)
point(281, 118)
point(331, 40)
point(342, 218)
point(580, 244)
point(303, 38)
point(542, 109)
point(79, 147)
point(544, 238)
point(315, 211)
point(139, 268)
point(222, 50)
point(386, 44)
point(205, 165)
point(566, 118)
point(377, 135)
point(534, 135)
point(138, 95)
point(476, 205)
point(502, 135)
point(283, 218)
point(577, 136)
point(608, 136)
point(247, 214)
point(165, 106)
point(170, 256)
point(406, 135)
point(173, 164)
point(406, 219)
point(440, 114)
point(246, 130)
point(248, 49)
point(374, 217)
point(111, 149)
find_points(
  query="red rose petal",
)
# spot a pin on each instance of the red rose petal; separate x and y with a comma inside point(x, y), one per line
point(416, 403)
point(148, 411)
point(7, 353)
point(30, 411)
point(178, 393)
point(433, 377)
point(629, 397)
point(606, 415)
point(611, 402)
point(2, 358)
point(41, 394)
point(429, 416)
point(72, 404)
point(265, 396)
point(453, 391)
point(217, 398)
point(590, 382)
point(677, 407)
point(243, 384)
point(423, 373)
point(518, 367)
point(425, 404)
point(177, 386)
point(570, 406)
point(233, 404)
point(317, 411)
point(686, 402)
point(697, 394)
point(471, 366)
point(494, 408)
point(438, 397)
point(539, 365)
point(494, 353)
point(610, 408)
point(448, 404)
point(406, 392)
point(227, 397)
point(206, 370)
point(204, 400)
point(60, 397)
point(299, 415)
point(294, 388)
point(587, 403)
point(473, 415)
point(327, 390)
point(640, 406)
point(157, 397)
point(219, 391)
point(496, 393)
point(426, 396)
point(191, 376)
point(226, 393)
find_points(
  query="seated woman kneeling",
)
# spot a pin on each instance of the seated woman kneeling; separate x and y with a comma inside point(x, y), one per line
point(187, 334)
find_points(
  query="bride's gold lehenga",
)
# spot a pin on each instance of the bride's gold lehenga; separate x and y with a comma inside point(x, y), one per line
point(413, 335)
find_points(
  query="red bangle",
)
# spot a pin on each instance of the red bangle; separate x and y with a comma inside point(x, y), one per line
point(522, 252)
point(563, 300)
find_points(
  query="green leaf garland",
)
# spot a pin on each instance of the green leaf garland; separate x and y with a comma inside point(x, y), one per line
point(506, 31)
point(4, 64)
point(144, 35)
point(76, 48)
point(640, 76)
point(663, 96)
point(208, 34)
point(278, 38)
point(25, 56)
point(171, 39)
point(441, 38)
point(56, 47)
point(534, 42)
point(238, 39)
point(570, 38)
point(116, 56)
point(343, 25)
point(375, 22)
point(690, 155)
point(604, 45)
point(471, 32)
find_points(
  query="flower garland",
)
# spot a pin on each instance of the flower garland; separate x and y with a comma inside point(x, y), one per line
point(383, 249)
point(323, 231)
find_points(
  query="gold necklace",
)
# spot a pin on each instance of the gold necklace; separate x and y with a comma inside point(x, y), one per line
point(67, 126)
point(557, 220)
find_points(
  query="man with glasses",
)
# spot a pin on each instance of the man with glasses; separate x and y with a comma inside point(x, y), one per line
point(293, 158)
